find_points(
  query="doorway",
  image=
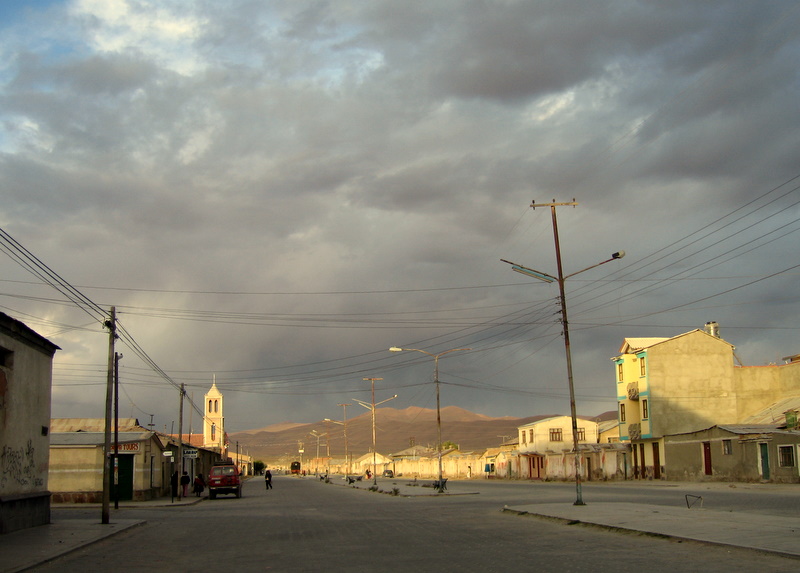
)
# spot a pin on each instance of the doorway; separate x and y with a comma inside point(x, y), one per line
point(707, 469)
point(124, 484)
point(656, 462)
point(764, 451)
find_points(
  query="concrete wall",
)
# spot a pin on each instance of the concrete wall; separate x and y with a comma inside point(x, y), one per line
point(758, 387)
point(691, 384)
point(25, 380)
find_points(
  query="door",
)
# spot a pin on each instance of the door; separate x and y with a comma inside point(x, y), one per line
point(707, 458)
point(764, 461)
point(656, 462)
point(643, 470)
point(124, 478)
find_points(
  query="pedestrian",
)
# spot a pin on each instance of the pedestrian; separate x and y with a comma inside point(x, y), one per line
point(185, 480)
point(199, 485)
point(268, 479)
point(174, 484)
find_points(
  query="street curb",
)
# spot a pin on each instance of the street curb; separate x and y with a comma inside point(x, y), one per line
point(618, 528)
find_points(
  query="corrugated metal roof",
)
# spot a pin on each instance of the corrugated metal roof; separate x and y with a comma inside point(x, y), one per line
point(634, 344)
point(92, 425)
point(774, 414)
point(95, 438)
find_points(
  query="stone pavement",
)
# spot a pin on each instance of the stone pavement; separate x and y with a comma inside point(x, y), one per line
point(21, 550)
point(24, 549)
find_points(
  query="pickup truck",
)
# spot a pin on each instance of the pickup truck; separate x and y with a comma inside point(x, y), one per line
point(224, 479)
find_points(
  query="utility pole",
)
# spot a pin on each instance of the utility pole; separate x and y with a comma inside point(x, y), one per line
point(117, 356)
point(563, 299)
point(180, 443)
point(346, 452)
point(111, 325)
point(374, 453)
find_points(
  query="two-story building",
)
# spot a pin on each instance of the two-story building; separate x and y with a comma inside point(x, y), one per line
point(546, 447)
point(687, 383)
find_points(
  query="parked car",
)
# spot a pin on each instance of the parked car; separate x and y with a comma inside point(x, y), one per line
point(224, 479)
point(388, 473)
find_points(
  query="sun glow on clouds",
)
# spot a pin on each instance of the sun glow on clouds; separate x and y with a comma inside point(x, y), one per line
point(156, 29)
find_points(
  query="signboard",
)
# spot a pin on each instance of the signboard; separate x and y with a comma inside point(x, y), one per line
point(189, 453)
point(132, 448)
point(166, 454)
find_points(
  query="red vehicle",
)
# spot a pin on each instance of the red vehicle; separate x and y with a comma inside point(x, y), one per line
point(224, 478)
point(295, 467)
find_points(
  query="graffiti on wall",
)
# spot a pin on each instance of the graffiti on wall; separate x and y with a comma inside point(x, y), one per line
point(18, 465)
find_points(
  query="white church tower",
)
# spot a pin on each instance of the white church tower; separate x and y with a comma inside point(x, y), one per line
point(213, 419)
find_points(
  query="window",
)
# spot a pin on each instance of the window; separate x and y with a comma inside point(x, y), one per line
point(530, 435)
point(622, 412)
point(210, 404)
point(581, 434)
point(213, 432)
point(786, 456)
point(556, 435)
point(619, 371)
point(642, 367)
point(523, 437)
point(6, 357)
point(727, 447)
point(645, 412)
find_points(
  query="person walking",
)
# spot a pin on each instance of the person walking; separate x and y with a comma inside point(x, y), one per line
point(185, 480)
point(199, 485)
point(268, 479)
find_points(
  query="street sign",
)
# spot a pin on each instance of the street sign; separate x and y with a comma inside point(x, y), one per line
point(166, 453)
point(189, 453)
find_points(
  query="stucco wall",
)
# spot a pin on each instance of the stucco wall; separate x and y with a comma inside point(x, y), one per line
point(24, 419)
point(691, 384)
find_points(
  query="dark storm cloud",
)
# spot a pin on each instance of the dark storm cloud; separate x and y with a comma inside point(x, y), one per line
point(276, 193)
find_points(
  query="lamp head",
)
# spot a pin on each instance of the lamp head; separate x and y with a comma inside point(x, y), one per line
point(395, 349)
point(618, 255)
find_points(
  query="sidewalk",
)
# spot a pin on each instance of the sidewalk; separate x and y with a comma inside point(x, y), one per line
point(26, 548)
point(771, 534)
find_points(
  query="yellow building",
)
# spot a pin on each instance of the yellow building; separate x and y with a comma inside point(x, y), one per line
point(686, 383)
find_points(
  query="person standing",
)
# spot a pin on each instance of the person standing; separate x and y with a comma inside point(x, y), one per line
point(268, 479)
point(185, 480)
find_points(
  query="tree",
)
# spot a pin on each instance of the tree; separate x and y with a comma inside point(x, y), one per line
point(448, 445)
point(258, 467)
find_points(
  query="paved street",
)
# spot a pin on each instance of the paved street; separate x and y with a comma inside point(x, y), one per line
point(307, 525)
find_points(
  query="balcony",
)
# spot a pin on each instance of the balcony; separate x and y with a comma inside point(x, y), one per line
point(633, 390)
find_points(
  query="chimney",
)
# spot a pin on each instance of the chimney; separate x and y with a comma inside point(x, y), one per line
point(712, 328)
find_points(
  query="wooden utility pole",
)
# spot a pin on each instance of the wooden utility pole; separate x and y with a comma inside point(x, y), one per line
point(567, 350)
point(111, 325)
point(115, 466)
point(180, 444)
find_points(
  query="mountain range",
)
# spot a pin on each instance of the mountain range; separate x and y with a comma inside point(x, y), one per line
point(395, 430)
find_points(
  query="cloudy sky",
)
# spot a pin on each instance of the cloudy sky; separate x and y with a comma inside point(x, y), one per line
point(274, 193)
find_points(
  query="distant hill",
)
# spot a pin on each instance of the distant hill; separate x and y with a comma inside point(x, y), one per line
point(396, 430)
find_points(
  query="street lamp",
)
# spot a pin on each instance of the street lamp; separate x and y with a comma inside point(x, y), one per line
point(346, 455)
point(317, 435)
point(561, 279)
point(372, 407)
point(438, 409)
